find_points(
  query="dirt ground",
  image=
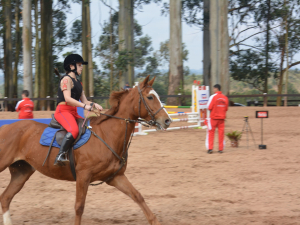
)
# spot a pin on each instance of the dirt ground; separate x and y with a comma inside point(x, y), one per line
point(182, 184)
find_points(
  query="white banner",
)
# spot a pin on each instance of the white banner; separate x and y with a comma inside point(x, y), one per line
point(203, 96)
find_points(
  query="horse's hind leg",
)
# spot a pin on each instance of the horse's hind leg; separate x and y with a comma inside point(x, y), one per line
point(20, 172)
point(122, 183)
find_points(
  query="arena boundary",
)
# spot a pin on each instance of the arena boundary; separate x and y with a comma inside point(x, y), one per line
point(40, 120)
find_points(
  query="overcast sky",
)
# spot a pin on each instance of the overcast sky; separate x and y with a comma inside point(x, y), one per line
point(154, 25)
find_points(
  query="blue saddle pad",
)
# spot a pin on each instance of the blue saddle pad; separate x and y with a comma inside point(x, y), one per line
point(49, 132)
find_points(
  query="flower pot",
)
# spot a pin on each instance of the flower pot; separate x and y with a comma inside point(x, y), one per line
point(234, 144)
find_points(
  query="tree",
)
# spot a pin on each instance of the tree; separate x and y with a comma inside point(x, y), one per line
point(287, 42)
point(126, 38)
point(46, 49)
point(89, 51)
point(206, 44)
point(27, 79)
point(84, 26)
point(261, 17)
point(108, 49)
point(8, 50)
point(37, 54)
point(249, 66)
point(219, 49)
point(17, 47)
point(176, 63)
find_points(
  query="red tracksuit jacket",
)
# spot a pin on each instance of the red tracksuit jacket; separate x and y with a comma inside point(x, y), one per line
point(25, 107)
point(218, 105)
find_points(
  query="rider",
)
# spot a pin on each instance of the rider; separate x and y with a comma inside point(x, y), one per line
point(69, 93)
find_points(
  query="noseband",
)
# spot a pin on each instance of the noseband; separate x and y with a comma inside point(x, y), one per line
point(151, 122)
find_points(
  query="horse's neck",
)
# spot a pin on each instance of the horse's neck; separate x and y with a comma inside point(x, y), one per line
point(114, 130)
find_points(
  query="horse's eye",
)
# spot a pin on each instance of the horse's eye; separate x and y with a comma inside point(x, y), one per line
point(150, 97)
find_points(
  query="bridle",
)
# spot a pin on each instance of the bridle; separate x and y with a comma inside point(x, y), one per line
point(124, 156)
point(151, 122)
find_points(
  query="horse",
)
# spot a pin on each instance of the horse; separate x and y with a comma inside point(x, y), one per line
point(21, 152)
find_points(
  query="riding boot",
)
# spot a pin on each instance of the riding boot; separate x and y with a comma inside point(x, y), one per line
point(65, 146)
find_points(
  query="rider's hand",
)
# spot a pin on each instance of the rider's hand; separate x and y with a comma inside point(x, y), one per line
point(99, 107)
point(88, 107)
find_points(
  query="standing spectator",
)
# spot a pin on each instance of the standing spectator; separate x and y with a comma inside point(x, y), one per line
point(25, 106)
point(218, 106)
point(126, 87)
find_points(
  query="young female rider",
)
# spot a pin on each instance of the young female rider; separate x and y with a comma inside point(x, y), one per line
point(69, 93)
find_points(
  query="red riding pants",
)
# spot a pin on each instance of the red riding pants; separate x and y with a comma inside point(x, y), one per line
point(211, 126)
point(66, 115)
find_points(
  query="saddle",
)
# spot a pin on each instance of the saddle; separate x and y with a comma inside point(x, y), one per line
point(59, 136)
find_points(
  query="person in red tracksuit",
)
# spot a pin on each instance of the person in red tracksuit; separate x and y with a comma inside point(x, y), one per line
point(25, 106)
point(69, 93)
point(218, 106)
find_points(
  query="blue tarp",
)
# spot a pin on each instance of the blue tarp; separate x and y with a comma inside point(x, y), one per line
point(45, 121)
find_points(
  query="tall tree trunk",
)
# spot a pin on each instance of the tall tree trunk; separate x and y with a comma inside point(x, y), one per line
point(206, 44)
point(175, 49)
point(3, 66)
point(219, 54)
point(126, 39)
point(89, 51)
point(46, 11)
point(18, 48)
point(8, 50)
point(287, 56)
point(111, 55)
point(224, 44)
point(50, 90)
point(267, 46)
point(85, 71)
point(130, 40)
point(37, 55)
point(278, 103)
point(122, 38)
point(27, 63)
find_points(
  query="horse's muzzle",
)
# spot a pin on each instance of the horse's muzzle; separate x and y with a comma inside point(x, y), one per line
point(168, 122)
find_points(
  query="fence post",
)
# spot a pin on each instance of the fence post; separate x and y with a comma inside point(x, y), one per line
point(6, 106)
point(265, 100)
point(48, 104)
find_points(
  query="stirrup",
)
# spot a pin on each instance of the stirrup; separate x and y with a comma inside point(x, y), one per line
point(61, 159)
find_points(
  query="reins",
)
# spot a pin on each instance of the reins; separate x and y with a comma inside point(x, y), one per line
point(123, 158)
point(124, 155)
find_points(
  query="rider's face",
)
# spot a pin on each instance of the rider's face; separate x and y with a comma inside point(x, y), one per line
point(79, 68)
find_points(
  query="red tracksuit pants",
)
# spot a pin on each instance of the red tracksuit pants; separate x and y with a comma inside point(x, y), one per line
point(211, 126)
point(66, 115)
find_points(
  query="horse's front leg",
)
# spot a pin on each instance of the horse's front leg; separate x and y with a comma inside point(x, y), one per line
point(82, 184)
point(122, 183)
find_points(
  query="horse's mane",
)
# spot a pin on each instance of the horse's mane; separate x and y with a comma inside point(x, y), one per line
point(114, 101)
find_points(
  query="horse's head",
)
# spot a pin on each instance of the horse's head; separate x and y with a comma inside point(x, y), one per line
point(149, 106)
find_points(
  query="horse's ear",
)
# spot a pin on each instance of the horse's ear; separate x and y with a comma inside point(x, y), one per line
point(151, 81)
point(145, 82)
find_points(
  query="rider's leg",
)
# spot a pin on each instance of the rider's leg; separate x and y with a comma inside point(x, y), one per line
point(64, 116)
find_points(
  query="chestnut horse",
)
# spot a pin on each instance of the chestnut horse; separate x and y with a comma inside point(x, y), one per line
point(21, 151)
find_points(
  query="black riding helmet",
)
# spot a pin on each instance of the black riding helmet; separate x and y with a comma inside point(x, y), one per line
point(72, 59)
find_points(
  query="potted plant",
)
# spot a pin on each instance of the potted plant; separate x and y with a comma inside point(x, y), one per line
point(234, 138)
